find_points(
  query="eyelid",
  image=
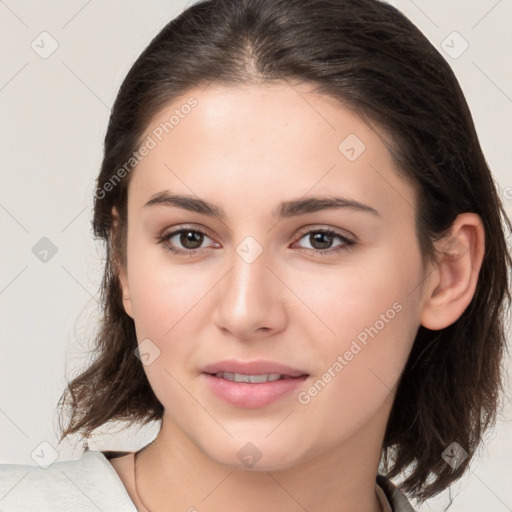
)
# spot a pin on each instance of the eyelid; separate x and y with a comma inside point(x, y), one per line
point(176, 230)
point(302, 232)
point(185, 227)
point(347, 243)
point(343, 233)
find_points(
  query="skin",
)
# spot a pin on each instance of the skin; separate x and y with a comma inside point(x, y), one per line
point(245, 149)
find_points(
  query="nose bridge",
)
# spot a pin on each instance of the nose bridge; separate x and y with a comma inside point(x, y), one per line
point(246, 282)
point(247, 299)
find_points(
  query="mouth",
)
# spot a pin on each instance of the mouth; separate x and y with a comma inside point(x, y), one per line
point(251, 379)
point(252, 384)
point(252, 371)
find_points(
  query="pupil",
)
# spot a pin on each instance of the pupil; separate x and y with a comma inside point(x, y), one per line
point(193, 237)
point(317, 237)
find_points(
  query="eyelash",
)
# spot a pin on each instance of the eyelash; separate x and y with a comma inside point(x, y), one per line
point(347, 243)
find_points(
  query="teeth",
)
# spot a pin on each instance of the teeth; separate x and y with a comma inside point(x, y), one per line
point(253, 379)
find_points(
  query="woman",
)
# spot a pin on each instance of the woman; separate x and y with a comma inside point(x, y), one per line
point(306, 270)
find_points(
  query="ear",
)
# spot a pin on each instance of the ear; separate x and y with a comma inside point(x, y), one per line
point(119, 265)
point(453, 280)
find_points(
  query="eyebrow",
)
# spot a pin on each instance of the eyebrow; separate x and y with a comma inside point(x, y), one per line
point(284, 209)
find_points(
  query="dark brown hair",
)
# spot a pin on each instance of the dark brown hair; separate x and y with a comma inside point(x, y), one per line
point(370, 57)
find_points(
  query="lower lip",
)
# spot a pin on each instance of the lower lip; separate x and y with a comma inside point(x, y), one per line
point(252, 396)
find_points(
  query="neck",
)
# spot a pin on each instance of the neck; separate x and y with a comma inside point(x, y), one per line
point(173, 474)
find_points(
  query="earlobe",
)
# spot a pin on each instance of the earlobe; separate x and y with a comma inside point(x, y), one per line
point(119, 266)
point(455, 276)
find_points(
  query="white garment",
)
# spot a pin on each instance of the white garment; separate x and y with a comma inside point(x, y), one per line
point(90, 483)
point(87, 484)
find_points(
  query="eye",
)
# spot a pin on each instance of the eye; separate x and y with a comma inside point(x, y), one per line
point(190, 240)
point(321, 241)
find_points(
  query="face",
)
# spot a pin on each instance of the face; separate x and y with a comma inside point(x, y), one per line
point(267, 275)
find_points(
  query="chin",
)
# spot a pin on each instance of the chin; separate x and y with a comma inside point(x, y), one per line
point(260, 454)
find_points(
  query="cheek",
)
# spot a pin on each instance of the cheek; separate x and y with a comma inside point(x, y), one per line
point(169, 311)
point(372, 294)
point(360, 369)
point(165, 295)
point(371, 310)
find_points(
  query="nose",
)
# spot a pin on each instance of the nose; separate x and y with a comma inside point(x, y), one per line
point(250, 299)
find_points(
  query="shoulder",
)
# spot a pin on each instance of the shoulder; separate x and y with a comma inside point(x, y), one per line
point(87, 483)
point(396, 498)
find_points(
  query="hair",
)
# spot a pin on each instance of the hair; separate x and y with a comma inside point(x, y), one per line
point(370, 57)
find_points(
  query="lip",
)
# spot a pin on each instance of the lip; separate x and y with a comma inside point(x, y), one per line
point(258, 367)
point(252, 396)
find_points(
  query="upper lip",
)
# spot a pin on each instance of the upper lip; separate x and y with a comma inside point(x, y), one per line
point(259, 367)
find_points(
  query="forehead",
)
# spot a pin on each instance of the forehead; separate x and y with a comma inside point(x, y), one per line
point(266, 140)
point(270, 113)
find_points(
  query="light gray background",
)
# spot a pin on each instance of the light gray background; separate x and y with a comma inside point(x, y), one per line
point(54, 115)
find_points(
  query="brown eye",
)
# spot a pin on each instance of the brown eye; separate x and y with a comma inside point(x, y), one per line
point(184, 241)
point(191, 239)
point(321, 241)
